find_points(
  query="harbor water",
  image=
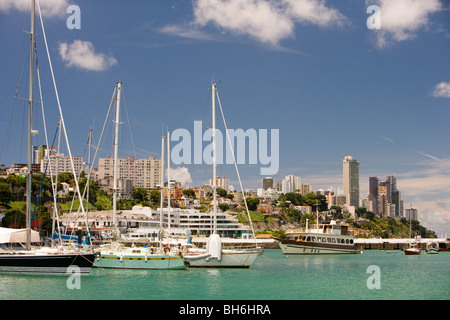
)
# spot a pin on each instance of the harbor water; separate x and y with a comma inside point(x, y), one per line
point(374, 274)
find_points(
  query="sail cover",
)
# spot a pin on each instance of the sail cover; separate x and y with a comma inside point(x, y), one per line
point(8, 235)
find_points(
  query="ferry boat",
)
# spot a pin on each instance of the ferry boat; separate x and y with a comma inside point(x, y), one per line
point(329, 238)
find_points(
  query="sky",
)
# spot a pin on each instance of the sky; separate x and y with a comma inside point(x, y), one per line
point(333, 78)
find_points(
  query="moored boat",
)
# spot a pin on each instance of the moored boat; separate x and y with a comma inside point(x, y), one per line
point(30, 259)
point(119, 256)
point(214, 256)
point(432, 251)
point(412, 251)
point(329, 238)
point(122, 257)
point(43, 261)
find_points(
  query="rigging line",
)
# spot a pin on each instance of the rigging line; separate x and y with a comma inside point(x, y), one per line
point(75, 195)
point(129, 125)
point(42, 182)
point(95, 155)
point(101, 134)
point(6, 141)
point(20, 71)
point(53, 183)
point(60, 110)
point(237, 170)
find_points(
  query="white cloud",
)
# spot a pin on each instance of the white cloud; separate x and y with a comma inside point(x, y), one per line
point(267, 21)
point(82, 54)
point(313, 11)
point(49, 8)
point(442, 90)
point(401, 19)
point(185, 32)
point(180, 174)
point(262, 20)
point(427, 190)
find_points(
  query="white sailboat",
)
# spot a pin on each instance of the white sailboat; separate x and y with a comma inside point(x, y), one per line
point(118, 256)
point(38, 260)
point(214, 256)
point(412, 250)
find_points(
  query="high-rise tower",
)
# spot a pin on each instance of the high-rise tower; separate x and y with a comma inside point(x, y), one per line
point(351, 181)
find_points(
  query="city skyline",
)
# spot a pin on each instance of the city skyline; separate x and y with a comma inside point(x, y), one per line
point(332, 86)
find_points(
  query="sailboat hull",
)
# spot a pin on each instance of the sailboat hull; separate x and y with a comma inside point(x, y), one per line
point(229, 259)
point(139, 261)
point(303, 248)
point(412, 251)
point(46, 264)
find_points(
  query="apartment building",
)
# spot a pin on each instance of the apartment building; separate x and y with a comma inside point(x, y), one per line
point(144, 173)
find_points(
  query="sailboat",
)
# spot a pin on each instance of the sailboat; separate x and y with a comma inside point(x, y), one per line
point(31, 259)
point(118, 256)
point(412, 250)
point(215, 256)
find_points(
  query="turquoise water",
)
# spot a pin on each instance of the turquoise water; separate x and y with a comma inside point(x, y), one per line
point(273, 276)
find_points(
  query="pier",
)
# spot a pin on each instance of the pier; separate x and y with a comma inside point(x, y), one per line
point(398, 244)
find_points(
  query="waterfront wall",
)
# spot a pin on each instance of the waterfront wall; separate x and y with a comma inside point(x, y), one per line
point(398, 244)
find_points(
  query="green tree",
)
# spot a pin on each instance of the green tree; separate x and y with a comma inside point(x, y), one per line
point(360, 211)
point(189, 193)
point(66, 177)
point(14, 218)
point(295, 198)
point(104, 202)
point(5, 193)
point(155, 197)
point(221, 192)
point(140, 194)
point(93, 189)
point(252, 203)
point(125, 204)
point(224, 207)
point(370, 215)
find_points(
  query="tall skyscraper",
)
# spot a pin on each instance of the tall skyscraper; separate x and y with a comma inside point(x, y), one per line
point(268, 182)
point(373, 194)
point(351, 181)
point(291, 183)
point(384, 197)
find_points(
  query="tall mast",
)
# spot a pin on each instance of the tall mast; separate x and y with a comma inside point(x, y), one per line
point(30, 126)
point(162, 192)
point(89, 173)
point(213, 92)
point(116, 152)
point(168, 181)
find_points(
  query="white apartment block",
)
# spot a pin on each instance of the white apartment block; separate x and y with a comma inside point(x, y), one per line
point(59, 163)
point(221, 182)
point(144, 173)
point(290, 183)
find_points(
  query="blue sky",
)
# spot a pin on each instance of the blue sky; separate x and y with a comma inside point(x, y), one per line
point(309, 68)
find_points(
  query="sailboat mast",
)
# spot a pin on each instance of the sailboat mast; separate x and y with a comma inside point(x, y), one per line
point(161, 229)
point(30, 126)
point(213, 92)
point(168, 181)
point(89, 173)
point(410, 211)
point(116, 152)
